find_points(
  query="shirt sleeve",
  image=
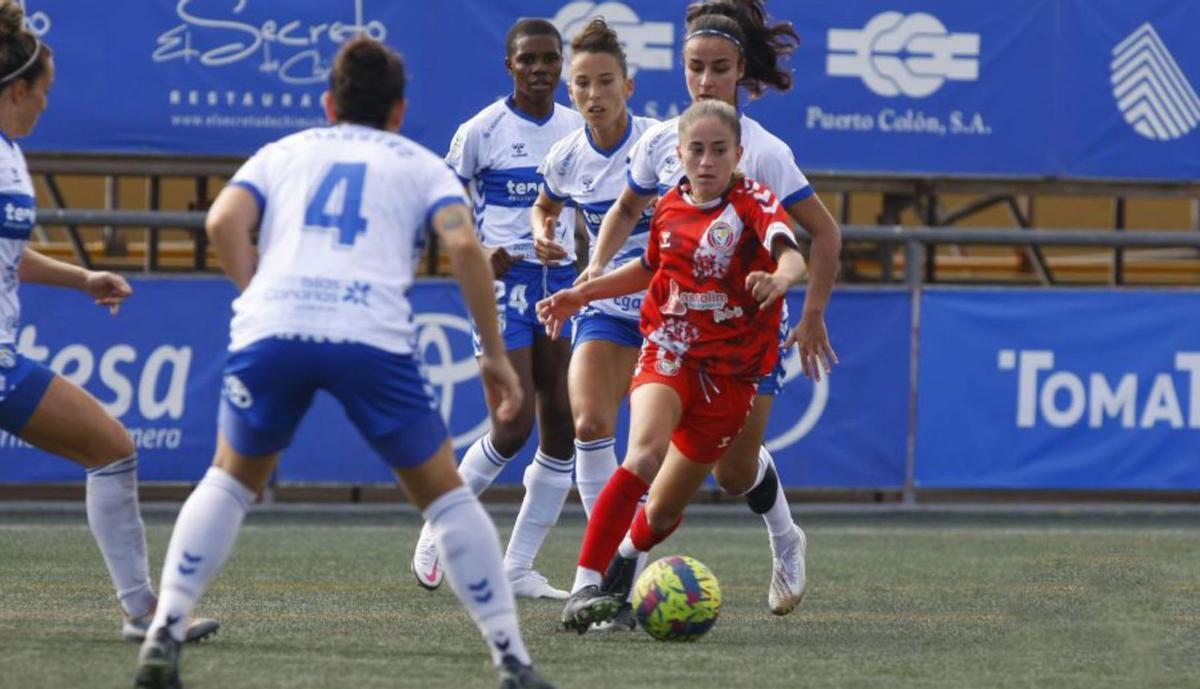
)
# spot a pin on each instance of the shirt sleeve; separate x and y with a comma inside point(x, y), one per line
point(442, 189)
point(463, 157)
point(642, 177)
point(255, 174)
point(778, 170)
point(761, 211)
point(552, 174)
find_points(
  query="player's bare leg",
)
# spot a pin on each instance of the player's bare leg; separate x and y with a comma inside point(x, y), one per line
point(549, 477)
point(69, 422)
point(203, 538)
point(598, 380)
point(655, 412)
point(483, 462)
point(748, 469)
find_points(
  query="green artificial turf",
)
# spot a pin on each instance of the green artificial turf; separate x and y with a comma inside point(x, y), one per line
point(900, 600)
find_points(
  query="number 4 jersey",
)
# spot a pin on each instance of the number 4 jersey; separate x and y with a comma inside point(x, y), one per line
point(345, 211)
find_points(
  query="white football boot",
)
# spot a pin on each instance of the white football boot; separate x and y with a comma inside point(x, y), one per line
point(426, 566)
point(530, 583)
point(788, 577)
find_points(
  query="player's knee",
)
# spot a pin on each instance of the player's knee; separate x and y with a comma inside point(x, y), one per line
point(590, 426)
point(509, 437)
point(732, 480)
point(762, 498)
point(644, 461)
point(112, 445)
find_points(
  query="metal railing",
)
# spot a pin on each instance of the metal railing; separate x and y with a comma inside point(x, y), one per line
point(915, 240)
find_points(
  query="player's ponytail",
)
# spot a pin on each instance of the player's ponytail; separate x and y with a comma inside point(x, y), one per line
point(764, 45)
point(366, 82)
point(23, 57)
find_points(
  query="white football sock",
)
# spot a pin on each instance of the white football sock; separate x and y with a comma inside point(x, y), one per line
point(204, 535)
point(586, 577)
point(481, 465)
point(595, 462)
point(116, 522)
point(547, 482)
point(470, 552)
point(779, 517)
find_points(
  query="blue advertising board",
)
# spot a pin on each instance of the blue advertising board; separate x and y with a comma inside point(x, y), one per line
point(157, 367)
point(1061, 389)
point(1133, 109)
point(1078, 88)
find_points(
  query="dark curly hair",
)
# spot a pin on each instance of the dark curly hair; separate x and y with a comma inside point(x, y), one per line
point(764, 45)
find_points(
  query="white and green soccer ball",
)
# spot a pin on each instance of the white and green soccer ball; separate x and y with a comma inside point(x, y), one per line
point(677, 599)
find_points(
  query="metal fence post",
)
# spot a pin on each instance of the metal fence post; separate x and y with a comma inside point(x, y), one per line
point(913, 274)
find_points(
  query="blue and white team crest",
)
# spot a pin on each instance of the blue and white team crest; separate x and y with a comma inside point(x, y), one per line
point(1151, 90)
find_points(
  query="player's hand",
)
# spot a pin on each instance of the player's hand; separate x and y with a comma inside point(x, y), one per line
point(108, 289)
point(765, 287)
point(501, 261)
point(590, 273)
point(547, 250)
point(554, 310)
point(501, 386)
point(815, 351)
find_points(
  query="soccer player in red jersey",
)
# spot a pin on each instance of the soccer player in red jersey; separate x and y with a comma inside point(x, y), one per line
point(720, 258)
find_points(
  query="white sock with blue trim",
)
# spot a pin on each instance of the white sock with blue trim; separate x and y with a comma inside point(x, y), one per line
point(205, 532)
point(547, 482)
point(595, 462)
point(116, 522)
point(470, 552)
point(481, 465)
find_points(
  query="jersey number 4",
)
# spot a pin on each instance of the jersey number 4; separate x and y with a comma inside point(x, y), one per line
point(337, 202)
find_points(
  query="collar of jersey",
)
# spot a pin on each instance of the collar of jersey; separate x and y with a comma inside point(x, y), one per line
point(7, 140)
point(607, 153)
point(686, 194)
point(526, 116)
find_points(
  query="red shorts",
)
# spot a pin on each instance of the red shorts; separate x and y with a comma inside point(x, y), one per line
point(714, 407)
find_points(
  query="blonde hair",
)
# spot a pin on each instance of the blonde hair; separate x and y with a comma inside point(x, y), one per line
point(721, 110)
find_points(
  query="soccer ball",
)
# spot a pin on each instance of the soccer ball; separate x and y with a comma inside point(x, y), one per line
point(677, 599)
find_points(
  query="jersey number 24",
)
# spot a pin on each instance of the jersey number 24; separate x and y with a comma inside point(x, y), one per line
point(337, 202)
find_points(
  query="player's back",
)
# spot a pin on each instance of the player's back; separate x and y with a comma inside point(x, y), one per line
point(345, 212)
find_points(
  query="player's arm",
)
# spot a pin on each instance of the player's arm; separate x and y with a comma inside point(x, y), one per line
point(230, 224)
point(543, 219)
point(554, 310)
point(108, 289)
point(810, 333)
point(453, 225)
point(615, 229)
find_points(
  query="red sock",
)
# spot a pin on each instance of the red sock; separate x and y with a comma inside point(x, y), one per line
point(610, 518)
point(644, 538)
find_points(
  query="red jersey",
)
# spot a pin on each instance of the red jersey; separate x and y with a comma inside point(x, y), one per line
point(698, 312)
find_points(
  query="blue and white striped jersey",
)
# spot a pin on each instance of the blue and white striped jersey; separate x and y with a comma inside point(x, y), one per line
point(579, 172)
point(17, 212)
point(497, 154)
